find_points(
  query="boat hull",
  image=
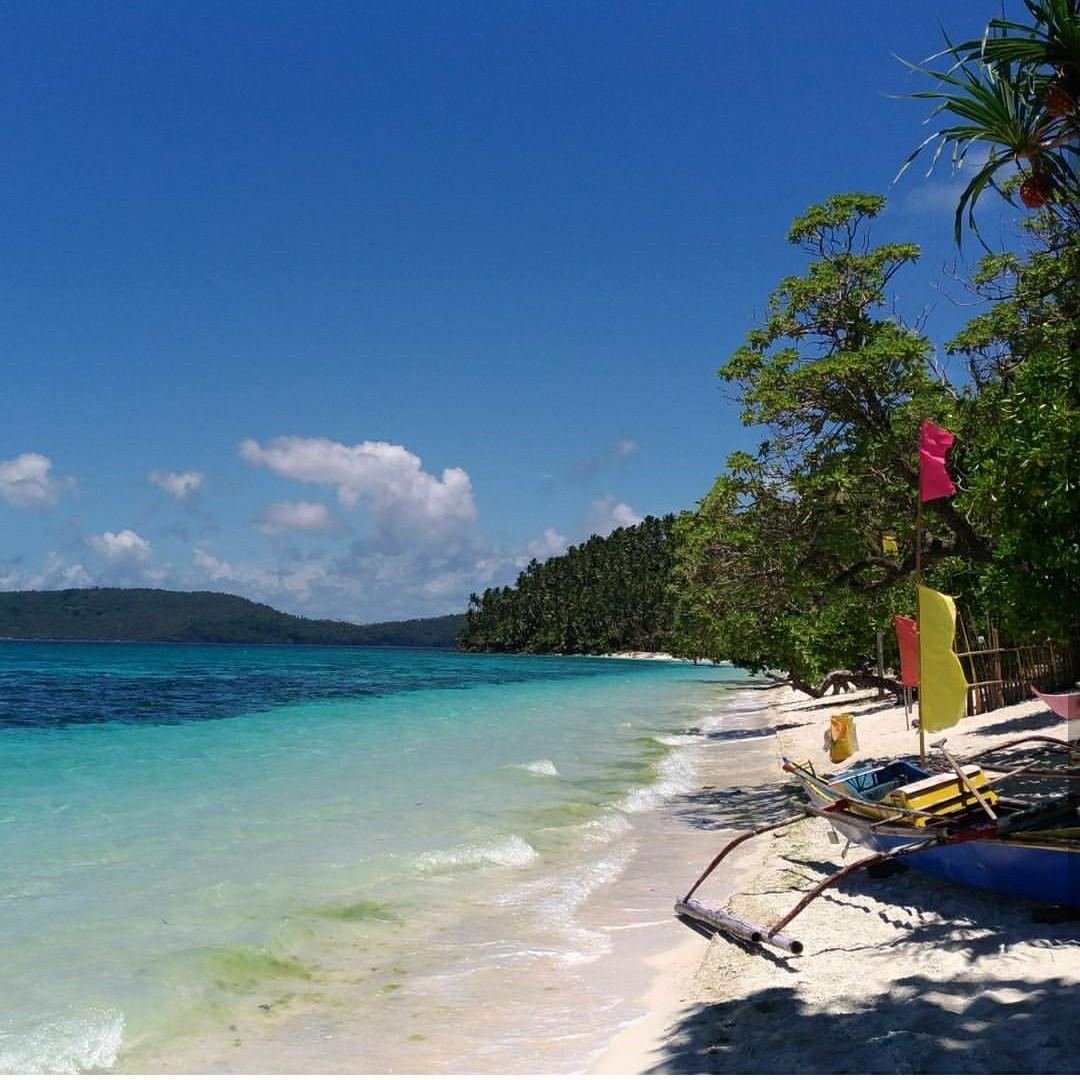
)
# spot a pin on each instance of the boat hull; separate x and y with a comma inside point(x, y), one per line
point(1031, 868)
point(1046, 873)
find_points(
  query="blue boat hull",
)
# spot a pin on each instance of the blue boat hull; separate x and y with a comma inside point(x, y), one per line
point(1031, 871)
point(1046, 871)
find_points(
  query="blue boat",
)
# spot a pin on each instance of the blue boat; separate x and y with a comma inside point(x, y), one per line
point(952, 825)
point(1031, 852)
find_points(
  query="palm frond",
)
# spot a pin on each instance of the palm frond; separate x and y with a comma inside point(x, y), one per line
point(992, 93)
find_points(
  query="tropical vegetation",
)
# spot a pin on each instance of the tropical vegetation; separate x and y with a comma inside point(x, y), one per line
point(1010, 98)
point(609, 594)
point(803, 550)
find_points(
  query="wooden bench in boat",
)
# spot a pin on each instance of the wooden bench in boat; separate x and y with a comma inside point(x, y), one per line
point(942, 793)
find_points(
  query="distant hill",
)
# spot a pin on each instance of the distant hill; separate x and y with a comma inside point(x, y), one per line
point(164, 615)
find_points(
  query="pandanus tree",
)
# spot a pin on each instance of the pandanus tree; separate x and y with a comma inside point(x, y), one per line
point(1012, 102)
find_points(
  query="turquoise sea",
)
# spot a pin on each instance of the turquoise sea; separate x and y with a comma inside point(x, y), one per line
point(316, 859)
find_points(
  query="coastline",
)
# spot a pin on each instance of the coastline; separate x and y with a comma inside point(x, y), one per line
point(638, 655)
point(899, 974)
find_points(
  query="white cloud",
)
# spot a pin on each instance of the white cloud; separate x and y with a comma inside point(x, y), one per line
point(124, 546)
point(551, 543)
point(55, 573)
point(606, 514)
point(300, 585)
point(66, 575)
point(179, 485)
point(404, 585)
point(624, 449)
point(934, 196)
point(243, 575)
point(304, 516)
point(940, 189)
point(25, 481)
point(408, 506)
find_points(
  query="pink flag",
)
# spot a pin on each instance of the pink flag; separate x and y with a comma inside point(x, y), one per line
point(907, 637)
point(934, 478)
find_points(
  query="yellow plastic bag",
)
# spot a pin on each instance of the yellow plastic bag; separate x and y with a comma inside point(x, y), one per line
point(841, 738)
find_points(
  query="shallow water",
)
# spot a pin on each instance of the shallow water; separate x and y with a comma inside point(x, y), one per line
point(229, 857)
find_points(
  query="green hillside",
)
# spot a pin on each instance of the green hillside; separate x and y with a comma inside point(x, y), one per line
point(164, 615)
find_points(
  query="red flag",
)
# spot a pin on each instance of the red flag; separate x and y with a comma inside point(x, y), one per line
point(934, 480)
point(907, 637)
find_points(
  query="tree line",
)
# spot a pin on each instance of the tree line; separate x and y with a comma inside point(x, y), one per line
point(608, 594)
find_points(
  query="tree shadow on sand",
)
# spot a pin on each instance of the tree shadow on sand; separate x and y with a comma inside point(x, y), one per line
point(738, 807)
point(918, 1023)
point(1022, 724)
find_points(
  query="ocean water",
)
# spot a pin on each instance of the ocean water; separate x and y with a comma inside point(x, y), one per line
point(319, 859)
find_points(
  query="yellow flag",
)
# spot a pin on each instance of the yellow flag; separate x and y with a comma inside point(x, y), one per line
point(942, 686)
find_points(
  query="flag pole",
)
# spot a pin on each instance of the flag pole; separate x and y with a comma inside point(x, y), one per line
point(934, 483)
point(918, 616)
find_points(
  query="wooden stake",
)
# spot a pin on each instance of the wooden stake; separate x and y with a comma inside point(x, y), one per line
point(977, 701)
point(994, 641)
point(881, 662)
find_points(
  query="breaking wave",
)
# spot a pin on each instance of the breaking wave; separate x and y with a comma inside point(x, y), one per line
point(544, 767)
point(88, 1041)
point(511, 851)
point(676, 774)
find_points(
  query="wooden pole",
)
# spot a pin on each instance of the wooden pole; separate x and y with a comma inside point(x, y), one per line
point(740, 839)
point(881, 662)
point(918, 618)
point(973, 705)
point(870, 860)
point(994, 640)
point(940, 745)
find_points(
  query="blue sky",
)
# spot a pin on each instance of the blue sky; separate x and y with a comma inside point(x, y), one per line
point(352, 308)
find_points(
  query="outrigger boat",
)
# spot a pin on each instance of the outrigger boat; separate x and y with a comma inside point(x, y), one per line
point(953, 825)
point(1031, 851)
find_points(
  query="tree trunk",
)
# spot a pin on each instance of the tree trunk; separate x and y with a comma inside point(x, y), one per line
point(841, 682)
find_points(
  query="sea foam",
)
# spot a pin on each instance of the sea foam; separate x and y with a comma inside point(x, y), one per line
point(510, 851)
point(85, 1041)
point(544, 767)
point(556, 901)
point(676, 774)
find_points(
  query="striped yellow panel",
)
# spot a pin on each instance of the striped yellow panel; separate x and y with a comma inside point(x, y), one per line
point(942, 793)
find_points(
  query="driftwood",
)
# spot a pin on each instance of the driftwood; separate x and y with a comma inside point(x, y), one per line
point(842, 682)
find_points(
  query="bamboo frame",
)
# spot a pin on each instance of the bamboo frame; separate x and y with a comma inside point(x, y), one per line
point(1003, 675)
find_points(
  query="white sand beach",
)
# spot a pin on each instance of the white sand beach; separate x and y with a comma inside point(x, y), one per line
point(900, 974)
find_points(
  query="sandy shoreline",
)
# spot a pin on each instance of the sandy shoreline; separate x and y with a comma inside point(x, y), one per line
point(900, 974)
